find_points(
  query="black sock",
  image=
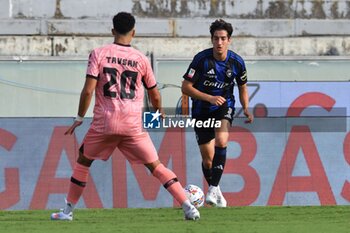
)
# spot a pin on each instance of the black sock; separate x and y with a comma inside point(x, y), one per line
point(218, 165)
point(207, 172)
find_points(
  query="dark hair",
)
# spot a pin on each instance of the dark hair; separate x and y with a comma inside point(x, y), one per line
point(123, 22)
point(221, 24)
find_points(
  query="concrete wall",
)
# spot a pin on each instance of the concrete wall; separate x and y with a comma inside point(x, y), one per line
point(247, 9)
point(265, 27)
point(22, 47)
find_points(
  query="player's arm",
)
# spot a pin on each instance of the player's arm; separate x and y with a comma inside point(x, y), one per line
point(244, 99)
point(84, 102)
point(86, 95)
point(155, 98)
point(188, 89)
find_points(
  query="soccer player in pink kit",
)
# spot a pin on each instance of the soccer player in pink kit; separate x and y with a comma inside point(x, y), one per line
point(117, 74)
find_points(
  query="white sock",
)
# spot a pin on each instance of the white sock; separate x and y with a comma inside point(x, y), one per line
point(186, 205)
point(69, 208)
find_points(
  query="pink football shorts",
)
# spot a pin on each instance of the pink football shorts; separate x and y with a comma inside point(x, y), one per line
point(137, 148)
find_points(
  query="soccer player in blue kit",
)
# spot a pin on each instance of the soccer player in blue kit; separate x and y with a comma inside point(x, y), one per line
point(209, 81)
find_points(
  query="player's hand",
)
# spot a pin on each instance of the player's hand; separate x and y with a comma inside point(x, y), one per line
point(250, 117)
point(217, 100)
point(72, 128)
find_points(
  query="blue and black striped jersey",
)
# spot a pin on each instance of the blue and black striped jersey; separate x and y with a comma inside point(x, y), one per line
point(215, 78)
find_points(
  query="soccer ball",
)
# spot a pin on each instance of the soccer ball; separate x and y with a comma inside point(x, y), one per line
point(195, 195)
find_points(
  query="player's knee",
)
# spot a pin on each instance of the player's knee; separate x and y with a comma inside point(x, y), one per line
point(220, 142)
point(82, 159)
point(207, 163)
point(152, 166)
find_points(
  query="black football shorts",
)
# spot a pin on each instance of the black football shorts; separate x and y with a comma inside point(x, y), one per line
point(206, 134)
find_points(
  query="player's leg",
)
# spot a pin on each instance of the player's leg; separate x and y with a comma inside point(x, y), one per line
point(207, 154)
point(140, 149)
point(219, 160)
point(170, 182)
point(76, 187)
point(95, 146)
point(205, 139)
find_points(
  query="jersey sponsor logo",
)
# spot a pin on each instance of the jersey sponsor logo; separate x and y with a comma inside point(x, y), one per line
point(244, 76)
point(191, 73)
point(219, 85)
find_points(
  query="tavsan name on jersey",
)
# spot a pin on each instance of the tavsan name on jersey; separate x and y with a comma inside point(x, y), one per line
point(121, 61)
point(215, 84)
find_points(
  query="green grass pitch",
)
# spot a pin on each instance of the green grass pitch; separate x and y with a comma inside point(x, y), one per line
point(308, 219)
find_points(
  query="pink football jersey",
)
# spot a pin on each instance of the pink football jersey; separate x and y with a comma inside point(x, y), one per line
point(121, 71)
